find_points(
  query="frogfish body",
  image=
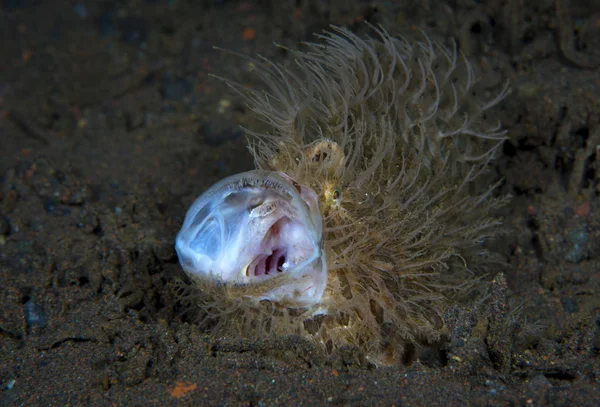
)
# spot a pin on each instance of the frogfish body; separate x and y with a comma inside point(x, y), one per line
point(369, 205)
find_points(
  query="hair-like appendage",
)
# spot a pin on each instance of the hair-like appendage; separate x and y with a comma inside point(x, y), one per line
point(391, 138)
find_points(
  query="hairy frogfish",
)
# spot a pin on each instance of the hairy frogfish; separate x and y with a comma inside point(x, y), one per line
point(370, 204)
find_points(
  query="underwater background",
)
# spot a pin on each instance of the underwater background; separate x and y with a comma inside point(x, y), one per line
point(110, 126)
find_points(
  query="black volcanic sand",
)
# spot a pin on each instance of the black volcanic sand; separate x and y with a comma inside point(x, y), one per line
point(110, 127)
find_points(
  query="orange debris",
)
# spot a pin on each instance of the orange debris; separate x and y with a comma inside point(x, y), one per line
point(182, 388)
point(26, 55)
point(249, 34)
point(583, 209)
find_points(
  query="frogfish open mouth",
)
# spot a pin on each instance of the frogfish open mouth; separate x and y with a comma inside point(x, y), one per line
point(370, 205)
point(258, 229)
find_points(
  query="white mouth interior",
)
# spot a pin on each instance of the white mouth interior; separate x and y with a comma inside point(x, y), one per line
point(285, 246)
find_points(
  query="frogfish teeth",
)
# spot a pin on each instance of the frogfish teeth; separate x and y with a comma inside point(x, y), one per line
point(370, 205)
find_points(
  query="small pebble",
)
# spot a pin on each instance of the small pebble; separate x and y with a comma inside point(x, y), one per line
point(10, 384)
point(577, 239)
point(539, 386)
point(49, 205)
point(34, 314)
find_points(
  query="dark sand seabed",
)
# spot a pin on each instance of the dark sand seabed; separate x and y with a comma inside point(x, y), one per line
point(110, 127)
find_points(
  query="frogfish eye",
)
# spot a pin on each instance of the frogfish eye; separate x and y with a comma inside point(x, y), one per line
point(336, 197)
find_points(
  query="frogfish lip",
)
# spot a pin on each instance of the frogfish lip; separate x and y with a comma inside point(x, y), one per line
point(260, 230)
